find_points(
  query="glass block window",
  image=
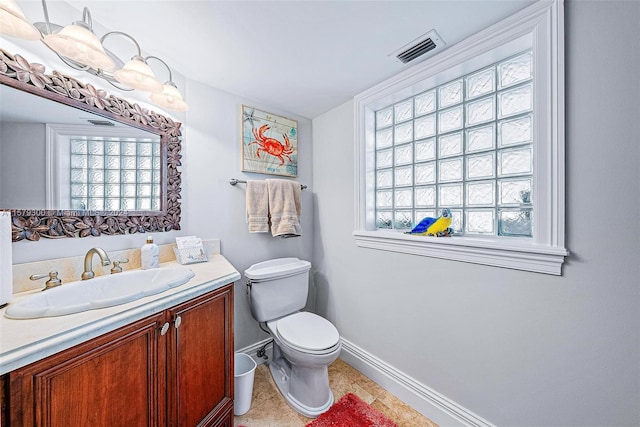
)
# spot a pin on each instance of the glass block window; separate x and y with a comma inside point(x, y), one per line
point(479, 129)
point(466, 145)
point(114, 173)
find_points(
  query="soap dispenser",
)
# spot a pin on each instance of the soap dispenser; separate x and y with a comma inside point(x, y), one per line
point(149, 254)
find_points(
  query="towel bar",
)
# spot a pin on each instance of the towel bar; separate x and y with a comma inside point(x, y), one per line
point(234, 181)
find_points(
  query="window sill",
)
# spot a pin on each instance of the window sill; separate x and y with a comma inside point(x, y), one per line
point(516, 255)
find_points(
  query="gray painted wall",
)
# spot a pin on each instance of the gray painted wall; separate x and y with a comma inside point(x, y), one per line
point(214, 208)
point(514, 347)
point(22, 150)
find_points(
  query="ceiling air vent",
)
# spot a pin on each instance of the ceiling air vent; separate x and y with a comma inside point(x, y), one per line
point(100, 122)
point(418, 47)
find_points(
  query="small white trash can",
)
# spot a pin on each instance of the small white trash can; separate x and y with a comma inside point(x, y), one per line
point(243, 373)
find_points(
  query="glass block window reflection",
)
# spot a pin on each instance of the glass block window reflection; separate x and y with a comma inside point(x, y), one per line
point(115, 173)
point(466, 145)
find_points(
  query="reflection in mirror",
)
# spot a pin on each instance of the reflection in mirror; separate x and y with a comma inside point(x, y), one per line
point(77, 162)
point(102, 169)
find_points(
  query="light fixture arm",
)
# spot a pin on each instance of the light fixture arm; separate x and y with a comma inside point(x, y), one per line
point(86, 22)
point(86, 18)
point(165, 64)
point(45, 10)
point(138, 55)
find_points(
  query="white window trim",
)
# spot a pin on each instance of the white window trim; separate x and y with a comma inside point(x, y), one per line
point(57, 152)
point(541, 26)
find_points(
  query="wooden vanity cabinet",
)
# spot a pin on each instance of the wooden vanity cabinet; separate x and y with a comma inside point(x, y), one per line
point(200, 361)
point(174, 368)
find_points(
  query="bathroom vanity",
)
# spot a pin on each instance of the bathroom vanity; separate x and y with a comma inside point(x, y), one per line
point(163, 360)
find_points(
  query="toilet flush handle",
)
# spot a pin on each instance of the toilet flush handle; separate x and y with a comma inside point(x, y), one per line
point(249, 284)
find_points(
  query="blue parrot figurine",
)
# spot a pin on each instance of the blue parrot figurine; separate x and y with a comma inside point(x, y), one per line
point(434, 226)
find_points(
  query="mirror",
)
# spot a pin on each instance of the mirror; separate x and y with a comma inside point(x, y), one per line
point(82, 179)
point(77, 160)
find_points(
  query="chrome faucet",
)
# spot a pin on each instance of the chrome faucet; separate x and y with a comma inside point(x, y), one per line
point(88, 259)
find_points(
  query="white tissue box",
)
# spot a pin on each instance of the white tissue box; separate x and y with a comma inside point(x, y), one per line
point(190, 255)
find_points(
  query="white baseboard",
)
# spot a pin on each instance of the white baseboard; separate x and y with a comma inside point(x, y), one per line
point(423, 399)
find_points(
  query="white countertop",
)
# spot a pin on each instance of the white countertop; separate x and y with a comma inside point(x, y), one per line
point(28, 340)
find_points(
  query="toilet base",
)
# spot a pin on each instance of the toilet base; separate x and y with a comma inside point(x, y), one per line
point(308, 383)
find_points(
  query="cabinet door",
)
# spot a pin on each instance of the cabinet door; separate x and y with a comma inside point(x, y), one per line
point(108, 381)
point(200, 359)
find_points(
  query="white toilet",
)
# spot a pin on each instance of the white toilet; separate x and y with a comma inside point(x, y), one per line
point(305, 344)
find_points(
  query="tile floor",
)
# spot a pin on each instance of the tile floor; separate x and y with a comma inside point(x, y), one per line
point(269, 409)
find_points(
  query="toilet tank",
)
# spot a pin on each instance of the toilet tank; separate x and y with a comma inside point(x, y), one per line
point(278, 287)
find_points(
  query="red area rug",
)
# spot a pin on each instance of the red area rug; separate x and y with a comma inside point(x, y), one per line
point(351, 411)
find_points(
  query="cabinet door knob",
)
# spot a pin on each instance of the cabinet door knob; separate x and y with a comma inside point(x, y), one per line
point(164, 329)
point(178, 322)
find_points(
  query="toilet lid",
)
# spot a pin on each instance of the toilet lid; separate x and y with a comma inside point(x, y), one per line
point(308, 331)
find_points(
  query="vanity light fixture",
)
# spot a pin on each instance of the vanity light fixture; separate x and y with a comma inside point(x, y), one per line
point(78, 47)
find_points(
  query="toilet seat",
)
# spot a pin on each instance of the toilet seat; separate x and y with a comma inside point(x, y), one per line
point(308, 333)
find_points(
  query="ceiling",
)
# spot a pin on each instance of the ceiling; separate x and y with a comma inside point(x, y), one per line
point(302, 57)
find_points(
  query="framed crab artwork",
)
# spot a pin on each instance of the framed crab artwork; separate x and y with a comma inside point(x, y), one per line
point(269, 143)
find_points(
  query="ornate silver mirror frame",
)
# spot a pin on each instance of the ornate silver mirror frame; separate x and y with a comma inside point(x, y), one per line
point(17, 72)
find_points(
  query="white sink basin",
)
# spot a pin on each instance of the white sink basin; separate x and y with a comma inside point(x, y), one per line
point(100, 292)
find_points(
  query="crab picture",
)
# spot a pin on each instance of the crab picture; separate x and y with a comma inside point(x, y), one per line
point(271, 145)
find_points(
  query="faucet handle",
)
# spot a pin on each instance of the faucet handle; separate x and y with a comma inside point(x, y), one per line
point(51, 283)
point(116, 265)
